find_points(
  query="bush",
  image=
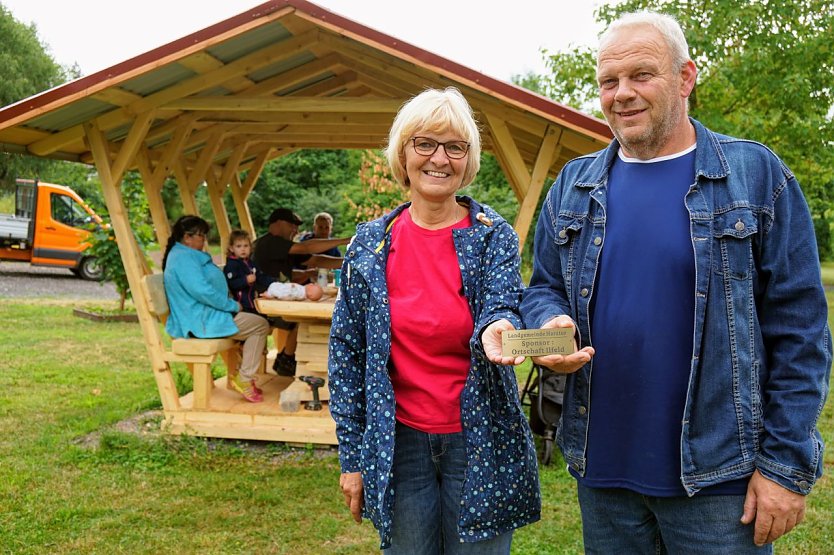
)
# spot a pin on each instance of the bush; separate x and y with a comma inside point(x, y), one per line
point(104, 247)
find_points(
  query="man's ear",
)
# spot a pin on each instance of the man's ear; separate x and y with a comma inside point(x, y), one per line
point(688, 75)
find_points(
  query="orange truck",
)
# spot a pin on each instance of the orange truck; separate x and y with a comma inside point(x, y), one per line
point(49, 228)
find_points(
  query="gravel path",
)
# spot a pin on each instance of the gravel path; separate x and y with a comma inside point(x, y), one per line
point(18, 279)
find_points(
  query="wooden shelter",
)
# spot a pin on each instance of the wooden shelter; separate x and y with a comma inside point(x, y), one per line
point(218, 104)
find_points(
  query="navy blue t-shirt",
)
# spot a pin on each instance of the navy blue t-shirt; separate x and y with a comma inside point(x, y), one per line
point(642, 327)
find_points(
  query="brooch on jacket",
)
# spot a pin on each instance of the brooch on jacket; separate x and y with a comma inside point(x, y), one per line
point(481, 217)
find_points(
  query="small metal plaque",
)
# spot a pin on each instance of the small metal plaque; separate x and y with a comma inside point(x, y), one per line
point(535, 343)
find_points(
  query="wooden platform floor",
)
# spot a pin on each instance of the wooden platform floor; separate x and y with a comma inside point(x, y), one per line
point(231, 416)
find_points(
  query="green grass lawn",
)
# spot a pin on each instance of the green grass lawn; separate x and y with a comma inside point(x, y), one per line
point(65, 378)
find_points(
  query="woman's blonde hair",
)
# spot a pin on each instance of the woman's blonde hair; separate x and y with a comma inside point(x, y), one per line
point(434, 111)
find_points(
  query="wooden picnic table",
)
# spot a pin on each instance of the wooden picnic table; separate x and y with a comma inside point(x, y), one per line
point(313, 319)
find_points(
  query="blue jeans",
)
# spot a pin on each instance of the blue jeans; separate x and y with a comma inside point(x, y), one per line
point(429, 471)
point(622, 521)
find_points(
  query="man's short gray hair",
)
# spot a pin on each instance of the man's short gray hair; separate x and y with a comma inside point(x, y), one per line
point(666, 25)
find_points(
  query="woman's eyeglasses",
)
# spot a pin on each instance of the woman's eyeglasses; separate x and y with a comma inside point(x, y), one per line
point(425, 146)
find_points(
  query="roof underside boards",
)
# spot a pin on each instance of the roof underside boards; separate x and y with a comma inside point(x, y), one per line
point(283, 76)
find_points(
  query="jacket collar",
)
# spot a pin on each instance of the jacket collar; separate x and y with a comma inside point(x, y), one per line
point(710, 160)
point(374, 234)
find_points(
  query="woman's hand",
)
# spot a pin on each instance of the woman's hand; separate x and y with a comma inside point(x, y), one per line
point(491, 340)
point(564, 364)
point(352, 489)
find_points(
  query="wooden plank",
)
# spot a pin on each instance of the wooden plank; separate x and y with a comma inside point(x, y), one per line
point(297, 310)
point(547, 152)
point(116, 96)
point(206, 156)
point(286, 104)
point(508, 152)
point(134, 267)
point(293, 77)
point(189, 204)
point(254, 173)
point(269, 55)
point(329, 86)
point(278, 118)
point(131, 144)
point(143, 69)
point(221, 216)
point(153, 191)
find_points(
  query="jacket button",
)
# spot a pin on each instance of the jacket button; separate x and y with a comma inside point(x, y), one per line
point(739, 226)
point(352, 253)
point(597, 241)
point(582, 410)
point(563, 234)
point(384, 301)
point(584, 292)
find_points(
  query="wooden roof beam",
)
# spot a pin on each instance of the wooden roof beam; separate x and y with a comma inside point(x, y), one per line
point(340, 118)
point(120, 116)
point(507, 151)
point(547, 152)
point(203, 62)
point(287, 104)
point(329, 86)
point(292, 77)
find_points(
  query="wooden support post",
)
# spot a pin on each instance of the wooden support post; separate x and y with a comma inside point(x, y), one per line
point(134, 267)
point(242, 207)
point(221, 217)
point(548, 151)
point(189, 204)
point(153, 189)
point(255, 172)
point(508, 155)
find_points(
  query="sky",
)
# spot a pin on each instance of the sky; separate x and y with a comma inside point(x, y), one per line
point(500, 39)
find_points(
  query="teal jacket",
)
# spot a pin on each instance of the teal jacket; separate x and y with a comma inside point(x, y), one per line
point(197, 296)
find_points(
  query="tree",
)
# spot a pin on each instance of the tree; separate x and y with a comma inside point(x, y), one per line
point(307, 181)
point(766, 73)
point(378, 192)
point(103, 239)
point(27, 68)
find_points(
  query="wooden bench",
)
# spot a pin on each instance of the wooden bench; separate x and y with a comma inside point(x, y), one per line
point(197, 354)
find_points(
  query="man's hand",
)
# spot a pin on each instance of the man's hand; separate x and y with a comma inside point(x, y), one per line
point(777, 510)
point(564, 364)
point(352, 489)
point(491, 340)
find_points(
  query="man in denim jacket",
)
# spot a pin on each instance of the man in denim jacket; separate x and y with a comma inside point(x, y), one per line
point(686, 262)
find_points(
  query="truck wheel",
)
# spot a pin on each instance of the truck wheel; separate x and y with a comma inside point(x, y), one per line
point(89, 269)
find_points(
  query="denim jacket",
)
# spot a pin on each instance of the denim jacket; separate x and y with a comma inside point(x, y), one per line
point(761, 355)
point(501, 491)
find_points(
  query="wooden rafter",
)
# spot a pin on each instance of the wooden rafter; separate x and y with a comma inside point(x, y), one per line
point(120, 116)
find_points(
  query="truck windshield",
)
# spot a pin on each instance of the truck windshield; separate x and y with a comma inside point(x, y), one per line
point(67, 211)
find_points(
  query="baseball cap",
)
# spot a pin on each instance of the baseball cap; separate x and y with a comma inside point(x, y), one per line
point(284, 214)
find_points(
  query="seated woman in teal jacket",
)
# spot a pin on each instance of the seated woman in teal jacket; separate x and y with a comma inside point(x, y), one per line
point(200, 304)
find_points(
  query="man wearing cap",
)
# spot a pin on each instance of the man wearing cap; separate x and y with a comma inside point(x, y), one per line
point(276, 253)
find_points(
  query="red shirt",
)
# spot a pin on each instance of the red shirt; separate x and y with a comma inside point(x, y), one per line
point(431, 325)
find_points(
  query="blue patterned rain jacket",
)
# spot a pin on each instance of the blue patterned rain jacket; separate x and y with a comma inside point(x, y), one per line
point(501, 491)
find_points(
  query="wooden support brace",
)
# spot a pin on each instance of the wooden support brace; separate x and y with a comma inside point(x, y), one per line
point(134, 267)
point(153, 189)
point(242, 207)
point(221, 217)
point(548, 151)
point(508, 153)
